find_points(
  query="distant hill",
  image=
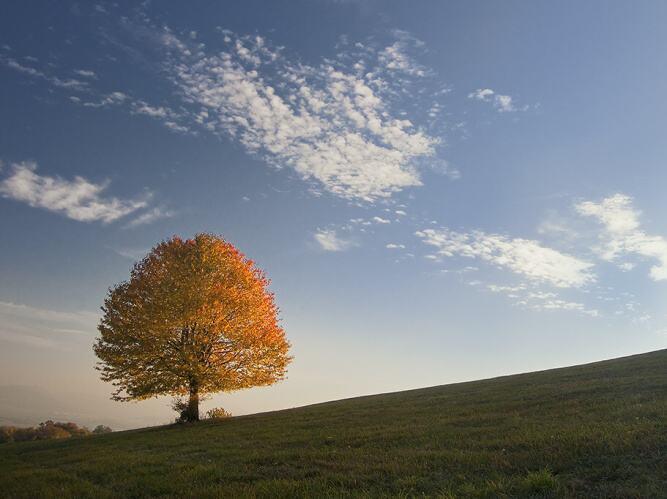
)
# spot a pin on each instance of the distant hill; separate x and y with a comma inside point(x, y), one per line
point(597, 430)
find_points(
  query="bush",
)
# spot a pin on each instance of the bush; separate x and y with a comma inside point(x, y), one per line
point(181, 407)
point(7, 434)
point(101, 429)
point(218, 413)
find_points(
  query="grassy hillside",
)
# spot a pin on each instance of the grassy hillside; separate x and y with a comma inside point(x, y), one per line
point(598, 430)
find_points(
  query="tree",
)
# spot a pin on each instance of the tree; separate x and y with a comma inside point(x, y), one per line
point(100, 429)
point(7, 434)
point(49, 430)
point(195, 317)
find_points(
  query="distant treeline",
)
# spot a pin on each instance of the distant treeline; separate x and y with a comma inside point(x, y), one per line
point(48, 430)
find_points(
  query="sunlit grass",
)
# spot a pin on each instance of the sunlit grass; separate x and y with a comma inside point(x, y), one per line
point(590, 431)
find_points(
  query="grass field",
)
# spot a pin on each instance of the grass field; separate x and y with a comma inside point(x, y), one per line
point(598, 430)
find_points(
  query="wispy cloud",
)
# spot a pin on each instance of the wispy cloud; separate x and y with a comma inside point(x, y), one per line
point(27, 311)
point(78, 199)
point(343, 124)
point(333, 123)
point(525, 257)
point(329, 240)
point(558, 227)
point(86, 73)
point(24, 338)
point(44, 328)
point(142, 107)
point(502, 103)
point(623, 235)
point(396, 56)
point(551, 301)
point(380, 220)
point(89, 96)
point(150, 216)
point(110, 99)
point(66, 83)
point(131, 253)
point(534, 299)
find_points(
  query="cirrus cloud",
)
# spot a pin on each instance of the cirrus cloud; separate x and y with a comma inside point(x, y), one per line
point(525, 257)
point(502, 103)
point(623, 235)
point(333, 123)
point(329, 240)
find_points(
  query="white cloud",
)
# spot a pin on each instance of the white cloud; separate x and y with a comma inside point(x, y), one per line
point(395, 57)
point(615, 212)
point(524, 297)
point(512, 290)
point(484, 94)
point(157, 213)
point(549, 301)
point(524, 257)
point(623, 234)
point(142, 107)
point(534, 264)
point(111, 99)
point(78, 199)
point(341, 124)
point(395, 246)
point(331, 123)
point(329, 240)
point(380, 220)
point(86, 73)
point(360, 221)
point(502, 103)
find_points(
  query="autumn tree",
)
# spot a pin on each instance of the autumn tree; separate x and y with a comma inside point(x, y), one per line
point(195, 317)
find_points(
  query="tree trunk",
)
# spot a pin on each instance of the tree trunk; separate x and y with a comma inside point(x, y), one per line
point(193, 402)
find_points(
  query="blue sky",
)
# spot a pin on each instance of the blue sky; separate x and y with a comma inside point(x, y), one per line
point(439, 191)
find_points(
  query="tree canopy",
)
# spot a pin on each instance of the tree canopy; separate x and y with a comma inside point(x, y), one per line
point(195, 317)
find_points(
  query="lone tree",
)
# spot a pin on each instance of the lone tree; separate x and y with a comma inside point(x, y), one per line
point(195, 317)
